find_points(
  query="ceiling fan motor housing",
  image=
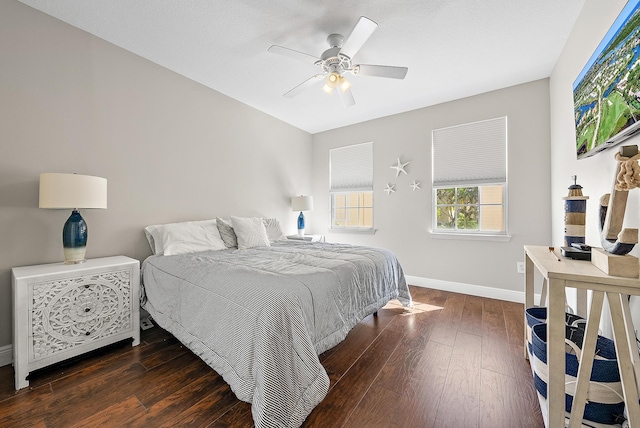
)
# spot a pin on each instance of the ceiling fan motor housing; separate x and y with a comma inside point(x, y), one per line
point(332, 61)
point(335, 40)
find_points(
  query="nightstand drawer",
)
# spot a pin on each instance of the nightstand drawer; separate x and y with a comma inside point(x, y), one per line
point(68, 313)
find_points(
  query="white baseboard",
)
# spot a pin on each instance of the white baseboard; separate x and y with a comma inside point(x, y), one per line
point(474, 290)
point(6, 355)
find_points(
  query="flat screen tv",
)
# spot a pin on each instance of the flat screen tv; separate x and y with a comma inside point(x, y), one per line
point(606, 93)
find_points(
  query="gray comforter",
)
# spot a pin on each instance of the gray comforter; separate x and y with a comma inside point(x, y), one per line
point(260, 317)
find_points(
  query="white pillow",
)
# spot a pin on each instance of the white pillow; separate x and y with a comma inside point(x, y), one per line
point(185, 237)
point(250, 232)
point(226, 233)
point(274, 231)
point(148, 232)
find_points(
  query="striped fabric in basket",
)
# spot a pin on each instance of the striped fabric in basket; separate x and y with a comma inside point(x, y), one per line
point(604, 399)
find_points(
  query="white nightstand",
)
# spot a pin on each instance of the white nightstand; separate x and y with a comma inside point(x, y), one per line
point(310, 238)
point(61, 311)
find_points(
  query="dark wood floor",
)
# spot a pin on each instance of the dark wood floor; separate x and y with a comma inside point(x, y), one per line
point(452, 361)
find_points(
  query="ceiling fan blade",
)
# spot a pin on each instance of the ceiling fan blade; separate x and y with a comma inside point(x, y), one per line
point(380, 71)
point(346, 98)
point(304, 85)
point(281, 50)
point(359, 35)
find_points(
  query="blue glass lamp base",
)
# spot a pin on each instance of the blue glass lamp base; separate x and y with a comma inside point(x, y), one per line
point(74, 238)
point(301, 224)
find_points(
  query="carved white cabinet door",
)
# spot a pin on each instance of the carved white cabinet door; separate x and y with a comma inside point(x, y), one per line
point(61, 311)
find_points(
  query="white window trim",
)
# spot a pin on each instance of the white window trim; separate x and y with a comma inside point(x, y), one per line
point(357, 230)
point(470, 236)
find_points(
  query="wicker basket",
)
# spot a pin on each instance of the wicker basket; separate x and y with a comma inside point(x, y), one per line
point(604, 399)
point(538, 315)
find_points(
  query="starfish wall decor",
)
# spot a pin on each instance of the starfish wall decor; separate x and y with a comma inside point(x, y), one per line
point(390, 188)
point(399, 167)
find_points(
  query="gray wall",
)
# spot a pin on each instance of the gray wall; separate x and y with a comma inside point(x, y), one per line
point(403, 219)
point(596, 173)
point(171, 149)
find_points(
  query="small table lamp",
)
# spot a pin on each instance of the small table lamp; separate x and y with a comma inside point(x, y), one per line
point(301, 203)
point(73, 191)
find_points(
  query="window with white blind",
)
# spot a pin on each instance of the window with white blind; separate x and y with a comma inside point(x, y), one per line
point(351, 190)
point(470, 178)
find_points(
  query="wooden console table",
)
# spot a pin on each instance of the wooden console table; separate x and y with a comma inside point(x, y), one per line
point(583, 276)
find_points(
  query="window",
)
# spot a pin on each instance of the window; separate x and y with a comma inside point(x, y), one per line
point(351, 171)
point(470, 208)
point(470, 178)
point(352, 209)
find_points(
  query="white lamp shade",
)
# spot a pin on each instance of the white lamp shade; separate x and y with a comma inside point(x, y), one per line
point(71, 191)
point(302, 203)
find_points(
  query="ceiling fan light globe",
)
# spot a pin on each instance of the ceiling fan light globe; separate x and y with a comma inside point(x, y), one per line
point(327, 89)
point(333, 80)
point(344, 84)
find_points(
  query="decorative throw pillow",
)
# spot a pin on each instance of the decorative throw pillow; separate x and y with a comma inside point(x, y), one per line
point(226, 233)
point(148, 233)
point(184, 237)
point(274, 232)
point(250, 232)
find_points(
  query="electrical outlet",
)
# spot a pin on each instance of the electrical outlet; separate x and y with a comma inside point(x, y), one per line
point(520, 267)
point(145, 323)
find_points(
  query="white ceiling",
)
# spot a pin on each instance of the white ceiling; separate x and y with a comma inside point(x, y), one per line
point(453, 48)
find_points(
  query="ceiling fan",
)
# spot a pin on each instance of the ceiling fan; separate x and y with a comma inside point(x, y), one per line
point(337, 61)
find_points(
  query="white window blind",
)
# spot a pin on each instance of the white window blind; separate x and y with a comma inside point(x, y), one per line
point(473, 153)
point(351, 168)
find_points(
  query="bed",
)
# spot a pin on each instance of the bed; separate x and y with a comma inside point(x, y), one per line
point(260, 316)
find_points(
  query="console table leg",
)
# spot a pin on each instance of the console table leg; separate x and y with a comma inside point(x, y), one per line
point(528, 295)
point(543, 293)
point(586, 360)
point(631, 338)
point(556, 352)
point(625, 364)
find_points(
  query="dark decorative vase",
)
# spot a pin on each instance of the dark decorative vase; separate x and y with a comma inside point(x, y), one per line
point(301, 224)
point(74, 238)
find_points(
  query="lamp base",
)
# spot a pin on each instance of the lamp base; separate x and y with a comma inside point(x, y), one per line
point(301, 224)
point(74, 255)
point(74, 238)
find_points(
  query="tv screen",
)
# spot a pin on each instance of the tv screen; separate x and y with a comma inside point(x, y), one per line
point(606, 93)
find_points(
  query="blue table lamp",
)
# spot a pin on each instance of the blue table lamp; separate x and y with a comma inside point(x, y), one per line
point(73, 191)
point(301, 203)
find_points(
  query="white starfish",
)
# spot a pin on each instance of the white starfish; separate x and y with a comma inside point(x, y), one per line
point(415, 185)
point(390, 188)
point(399, 167)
